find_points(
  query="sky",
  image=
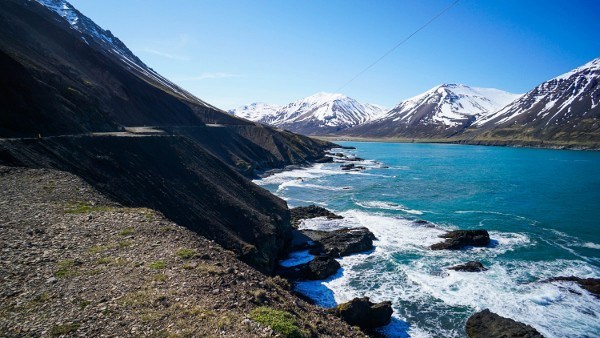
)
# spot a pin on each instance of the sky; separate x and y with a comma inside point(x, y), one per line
point(234, 52)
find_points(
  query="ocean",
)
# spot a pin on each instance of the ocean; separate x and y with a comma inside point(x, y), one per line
point(541, 207)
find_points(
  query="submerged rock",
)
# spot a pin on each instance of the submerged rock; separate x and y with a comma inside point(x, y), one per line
point(472, 266)
point(591, 285)
point(486, 324)
point(312, 211)
point(364, 313)
point(341, 242)
point(458, 239)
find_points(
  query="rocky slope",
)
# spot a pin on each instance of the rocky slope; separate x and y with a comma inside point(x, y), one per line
point(75, 263)
point(319, 114)
point(441, 112)
point(66, 79)
point(563, 111)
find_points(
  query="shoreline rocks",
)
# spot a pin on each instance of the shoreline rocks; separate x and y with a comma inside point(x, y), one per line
point(339, 243)
point(321, 267)
point(312, 211)
point(365, 314)
point(486, 324)
point(458, 239)
point(592, 285)
point(472, 266)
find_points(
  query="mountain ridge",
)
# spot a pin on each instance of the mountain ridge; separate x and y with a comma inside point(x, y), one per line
point(318, 114)
point(442, 111)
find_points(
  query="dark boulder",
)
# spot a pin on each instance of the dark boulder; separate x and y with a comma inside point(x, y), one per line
point(458, 239)
point(324, 159)
point(341, 242)
point(319, 268)
point(472, 266)
point(486, 324)
point(591, 285)
point(312, 211)
point(364, 313)
point(348, 166)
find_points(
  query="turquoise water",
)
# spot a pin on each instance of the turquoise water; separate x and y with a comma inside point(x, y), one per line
point(541, 207)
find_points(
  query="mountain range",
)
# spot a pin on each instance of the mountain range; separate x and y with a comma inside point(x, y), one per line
point(319, 114)
point(561, 112)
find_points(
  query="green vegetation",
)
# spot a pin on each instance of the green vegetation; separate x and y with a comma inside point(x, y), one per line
point(127, 232)
point(104, 260)
point(280, 321)
point(157, 265)
point(84, 208)
point(66, 268)
point(59, 330)
point(185, 253)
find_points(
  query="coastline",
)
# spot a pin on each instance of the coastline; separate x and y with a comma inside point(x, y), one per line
point(506, 240)
point(490, 143)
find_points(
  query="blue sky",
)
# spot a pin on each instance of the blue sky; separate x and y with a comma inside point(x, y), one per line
point(233, 52)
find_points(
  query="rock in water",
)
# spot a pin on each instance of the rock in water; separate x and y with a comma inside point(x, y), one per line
point(364, 313)
point(458, 239)
point(311, 211)
point(319, 268)
point(472, 266)
point(322, 267)
point(339, 243)
point(486, 324)
point(592, 285)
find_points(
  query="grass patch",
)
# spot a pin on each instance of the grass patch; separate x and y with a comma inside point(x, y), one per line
point(157, 265)
point(166, 229)
point(210, 269)
point(105, 260)
point(124, 244)
point(280, 321)
point(126, 232)
point(185, 253)
point(159, 277)
point(99, 248)
point(66, 269)
point(59, 330)
point(84, 208)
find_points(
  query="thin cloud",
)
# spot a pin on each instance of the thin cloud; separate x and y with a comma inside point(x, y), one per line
point(212, 76)
point(166, 55)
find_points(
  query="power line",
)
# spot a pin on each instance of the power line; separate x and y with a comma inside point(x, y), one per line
point(399, 44)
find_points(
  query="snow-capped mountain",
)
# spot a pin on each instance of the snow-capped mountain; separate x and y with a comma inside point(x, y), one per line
point(91, 33)
point(564, 110)
point(554, 101)
point(319, 114)
point(257, 111)
point(439, 112)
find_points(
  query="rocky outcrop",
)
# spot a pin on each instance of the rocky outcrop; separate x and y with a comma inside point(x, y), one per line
point(339, 243)
point(486, 324)
point(472, 266)
point(311, 211)
point(592, 285)
point(321, 267)
point(458, 239)
point(364, 313)
point(352, 167)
